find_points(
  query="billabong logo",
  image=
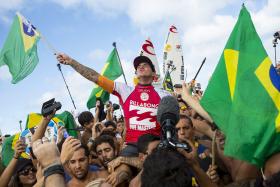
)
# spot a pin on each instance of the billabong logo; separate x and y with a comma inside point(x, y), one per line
point(144, 96)
point(142, 118)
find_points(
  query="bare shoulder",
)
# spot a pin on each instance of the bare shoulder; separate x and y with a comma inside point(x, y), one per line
point(71, 183)
point(102, 173)
point(98, 174)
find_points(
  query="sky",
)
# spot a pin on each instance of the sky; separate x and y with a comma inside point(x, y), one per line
point(86, 29)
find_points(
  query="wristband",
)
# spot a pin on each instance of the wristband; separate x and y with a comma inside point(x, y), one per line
point(54, 169)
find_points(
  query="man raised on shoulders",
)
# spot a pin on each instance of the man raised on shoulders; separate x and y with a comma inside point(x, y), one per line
point(139, 103)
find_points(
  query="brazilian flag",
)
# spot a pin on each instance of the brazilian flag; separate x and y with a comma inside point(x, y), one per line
point(19, 52)
point(8, 149)
point(243, 96)
point(167, 83)
point(112, 70)
point(65, 119)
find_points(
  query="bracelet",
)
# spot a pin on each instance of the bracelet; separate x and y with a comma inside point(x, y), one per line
point(53, 169)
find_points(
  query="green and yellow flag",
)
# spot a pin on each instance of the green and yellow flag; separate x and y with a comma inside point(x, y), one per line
point(65, 119)
point(167, 83)
point(8, 149)
point(243, 96)
point(19, 52)
point(112, 70)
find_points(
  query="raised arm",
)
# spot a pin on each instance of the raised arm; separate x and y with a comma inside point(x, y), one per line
point(86, 72)
point(201, 177)
point(8, 172)
point(48, 157)
point(187, 97)
point(42, 126)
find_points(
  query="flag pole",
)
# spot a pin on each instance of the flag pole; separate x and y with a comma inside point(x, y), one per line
point(115, 46)
point(48, 44)
point(59, 68)
point(20, 125)
point(54, 51)
point(213, 148)
point(199, 69)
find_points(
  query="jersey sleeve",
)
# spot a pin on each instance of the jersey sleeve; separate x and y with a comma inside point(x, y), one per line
point(122, 91)
point(106, 83)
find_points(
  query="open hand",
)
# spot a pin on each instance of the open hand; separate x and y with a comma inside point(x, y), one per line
point(46, 152)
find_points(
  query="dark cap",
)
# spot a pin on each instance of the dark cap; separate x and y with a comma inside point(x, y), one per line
point(141, 59)
point(22, 163)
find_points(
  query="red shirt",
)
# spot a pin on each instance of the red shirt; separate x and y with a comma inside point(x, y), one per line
point(140, 105)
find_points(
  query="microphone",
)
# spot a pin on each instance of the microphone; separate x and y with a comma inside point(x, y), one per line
point(168, 115)
point(168, 109)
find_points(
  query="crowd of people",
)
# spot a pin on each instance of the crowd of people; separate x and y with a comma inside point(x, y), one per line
point(125, 151)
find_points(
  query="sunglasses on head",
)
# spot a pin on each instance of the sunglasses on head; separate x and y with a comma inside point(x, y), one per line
point(26, 171)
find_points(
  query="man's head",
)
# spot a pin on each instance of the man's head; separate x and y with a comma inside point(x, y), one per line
point(146, 144)
point(79, 163)
point(144, 68)
point(120, 126)
point(105, 148)
point(166, 168)
point(184, 128)
point(86, 120)
point(110, 125)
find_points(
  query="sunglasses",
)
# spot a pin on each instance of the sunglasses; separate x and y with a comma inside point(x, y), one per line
point(26, 171)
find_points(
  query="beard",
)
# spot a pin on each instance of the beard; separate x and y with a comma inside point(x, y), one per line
point(106, 162)
point(82, 174)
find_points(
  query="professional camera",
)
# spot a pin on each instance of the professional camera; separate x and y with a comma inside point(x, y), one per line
point(49, 106)
point(115, 106)
point(168, 116)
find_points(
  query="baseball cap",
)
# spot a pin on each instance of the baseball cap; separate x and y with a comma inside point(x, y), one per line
point(141, 59)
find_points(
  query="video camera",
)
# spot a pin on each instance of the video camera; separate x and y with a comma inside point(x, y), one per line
point(49, 106)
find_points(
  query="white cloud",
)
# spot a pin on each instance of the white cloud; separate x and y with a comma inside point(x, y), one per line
point(98, 55)
point(5, 74)
point(79, 87)
point(67, 3)
point(107, 7)
point(47, 96)
point(267, 19)
point(11, 5)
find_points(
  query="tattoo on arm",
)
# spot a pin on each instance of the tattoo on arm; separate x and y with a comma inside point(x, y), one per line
point(86, 72)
